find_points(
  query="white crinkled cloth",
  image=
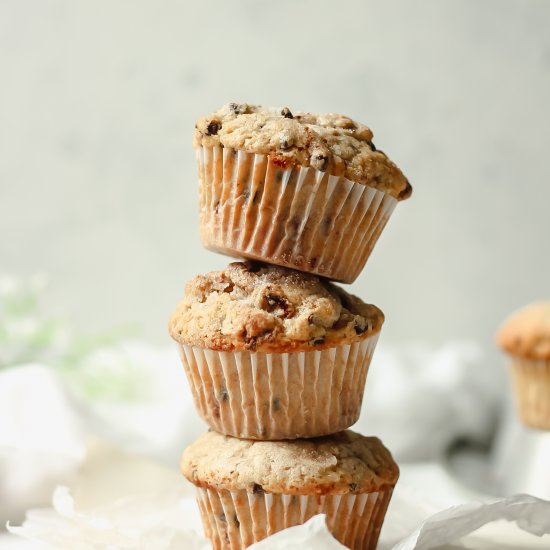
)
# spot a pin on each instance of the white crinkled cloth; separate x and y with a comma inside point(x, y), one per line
point(419, 399)
point(41, 438)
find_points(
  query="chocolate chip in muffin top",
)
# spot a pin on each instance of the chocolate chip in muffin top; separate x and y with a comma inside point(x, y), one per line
point(252, 306)
point(327, 142)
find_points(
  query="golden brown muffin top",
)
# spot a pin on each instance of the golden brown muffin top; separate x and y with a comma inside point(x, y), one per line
point(526, 332)
point(342, 463)
point(253, 306)
point(328, 142)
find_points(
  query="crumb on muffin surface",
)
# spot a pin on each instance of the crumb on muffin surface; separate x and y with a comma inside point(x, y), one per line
point(526, 332)
point(342, 463)
point(327, 142)
point(253, 306)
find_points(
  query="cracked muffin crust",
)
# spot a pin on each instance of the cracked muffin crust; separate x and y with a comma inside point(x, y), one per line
point(329, 142)
point(252, 306)
point(526, 332)
point(342, 463)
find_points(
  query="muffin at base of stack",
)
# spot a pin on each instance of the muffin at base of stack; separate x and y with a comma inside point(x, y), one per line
point(273, 353)
point(248, 490)
point(309, 192)
point(525, 336)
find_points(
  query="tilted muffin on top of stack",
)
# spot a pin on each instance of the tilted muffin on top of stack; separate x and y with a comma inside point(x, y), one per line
point(309, 192)
point(275, 353)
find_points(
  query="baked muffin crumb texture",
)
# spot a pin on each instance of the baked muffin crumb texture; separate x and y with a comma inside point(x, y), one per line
point(252, 306)
point(342, 463)
point(327, 142)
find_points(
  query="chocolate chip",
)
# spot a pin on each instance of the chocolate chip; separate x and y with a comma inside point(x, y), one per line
point(257, 489)
point(353, 487)
point(276, 404)
point(274, 303)
point(326, 225)
point(229, 287)
point(252, 267)
point(213, 128)
point(319, 341)
point(319, 161)
point(222, 395)
point(360, 329)
point(372, 146)
point(257, 334)
point(284, 144)
point(349, 125)
point(250, 342)
point(285, 111)
point(285, 141)
point(340, 323)
point(236, 108)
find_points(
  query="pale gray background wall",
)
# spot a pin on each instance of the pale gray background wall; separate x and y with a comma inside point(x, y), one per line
point(97, 174)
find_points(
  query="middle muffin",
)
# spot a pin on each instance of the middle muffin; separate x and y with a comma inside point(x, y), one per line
point(273, 353)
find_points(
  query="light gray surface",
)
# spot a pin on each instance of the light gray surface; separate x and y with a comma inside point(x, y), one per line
point(97, 175)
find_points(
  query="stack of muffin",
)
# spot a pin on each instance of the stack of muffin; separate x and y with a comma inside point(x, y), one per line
point(275, 353)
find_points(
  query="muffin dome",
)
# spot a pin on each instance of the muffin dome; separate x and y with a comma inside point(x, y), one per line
point(342, 463)
point(251, 306)
point(526, 332)
point(328, 142)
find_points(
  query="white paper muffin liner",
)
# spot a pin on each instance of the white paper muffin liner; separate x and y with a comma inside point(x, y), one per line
point(532, 387)
point(270, 396)
point(297, 217)
point(237, 519)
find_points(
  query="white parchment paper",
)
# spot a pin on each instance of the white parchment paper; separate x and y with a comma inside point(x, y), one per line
point(450, 526)
point(64, 527)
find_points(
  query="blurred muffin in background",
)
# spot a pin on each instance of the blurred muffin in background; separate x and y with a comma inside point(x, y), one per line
point(525, 336)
